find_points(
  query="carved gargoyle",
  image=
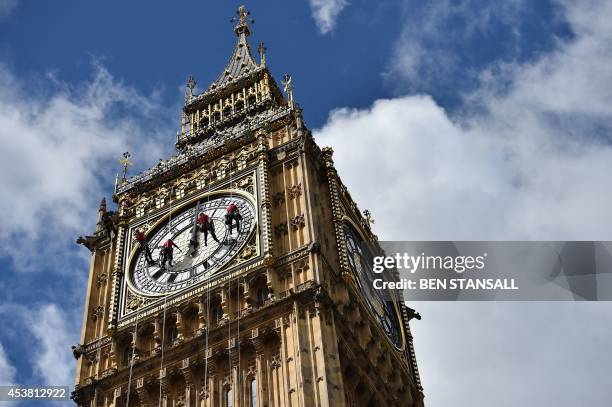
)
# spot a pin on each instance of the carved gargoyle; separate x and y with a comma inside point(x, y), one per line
point(78, 350)
point(412, 314)
point(89, 241)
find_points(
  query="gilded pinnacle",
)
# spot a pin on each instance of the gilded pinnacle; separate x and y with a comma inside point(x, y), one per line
point(241, 21)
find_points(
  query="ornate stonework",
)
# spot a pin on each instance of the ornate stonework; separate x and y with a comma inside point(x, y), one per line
point(279, 320)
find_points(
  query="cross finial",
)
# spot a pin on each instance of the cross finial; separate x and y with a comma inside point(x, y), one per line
point(288, 87)
point(191, 84)
point(242, 14)
point(368, 216)
point(241, 21)
point(125, 161)
point(262, 53)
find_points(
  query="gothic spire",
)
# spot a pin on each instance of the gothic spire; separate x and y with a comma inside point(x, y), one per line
point(241, 62)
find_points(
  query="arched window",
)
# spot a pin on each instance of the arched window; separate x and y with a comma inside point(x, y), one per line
point(253, 393)
point(229, 397)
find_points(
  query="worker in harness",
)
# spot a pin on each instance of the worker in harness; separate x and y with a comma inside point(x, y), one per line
point(206, 225)
point(233, 215)
point(167, 252)
point(144, 246)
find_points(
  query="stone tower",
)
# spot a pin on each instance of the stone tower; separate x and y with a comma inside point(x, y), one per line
point(262, 299)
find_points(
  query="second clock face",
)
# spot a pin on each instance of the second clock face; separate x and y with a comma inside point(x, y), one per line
point(193, 263)
point(360, 262)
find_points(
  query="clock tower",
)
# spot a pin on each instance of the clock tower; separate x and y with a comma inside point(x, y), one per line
point(234, 274)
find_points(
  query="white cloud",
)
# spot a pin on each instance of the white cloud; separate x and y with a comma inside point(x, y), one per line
point(48, 332)
point(506, 354)
point(52, 359)
point(7, 371)
point(7, 7)
point(532, 162)
point(425, 53)
point(60, 146)
point(326, 12)
point(528, 157)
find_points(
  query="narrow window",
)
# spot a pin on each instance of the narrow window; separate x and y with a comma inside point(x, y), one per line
point(127, 355)
point(173, 334)
point(253, 393)
point(262, 295)
point(219, 312)
point(229, 398)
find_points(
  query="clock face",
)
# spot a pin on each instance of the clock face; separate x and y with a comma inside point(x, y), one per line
point(192, 263)
point(360, 260)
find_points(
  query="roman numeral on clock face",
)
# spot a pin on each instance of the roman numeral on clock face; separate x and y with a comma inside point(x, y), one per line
point(157, 274)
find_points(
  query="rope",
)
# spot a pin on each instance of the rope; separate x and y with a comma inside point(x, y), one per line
point(207, 311)
point(229, 290)
point(161, 363)
point(238, 306)
point(238, 334)
point(206, 346)
point(127, 400)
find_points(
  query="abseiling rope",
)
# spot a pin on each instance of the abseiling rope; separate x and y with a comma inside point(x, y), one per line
point(161, 363)
point(229, 289)
point(238, 392)
point(238, 333)
point(207, 310)
point(127, 399)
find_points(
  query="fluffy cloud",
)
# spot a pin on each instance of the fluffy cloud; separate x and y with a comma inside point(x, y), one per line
point(485, 354)
point(527, 157)
point(47, 331)
point(52, 359)
point(326, 12)
point(432, 49)
point(528, 161)
point(60, 146)
point(7, 371)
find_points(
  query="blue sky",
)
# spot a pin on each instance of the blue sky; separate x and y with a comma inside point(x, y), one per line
point(486, 120)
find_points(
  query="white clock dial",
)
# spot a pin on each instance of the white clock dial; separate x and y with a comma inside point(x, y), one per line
point(190, 264)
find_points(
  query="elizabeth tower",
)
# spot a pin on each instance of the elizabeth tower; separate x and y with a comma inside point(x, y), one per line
point(232, 274)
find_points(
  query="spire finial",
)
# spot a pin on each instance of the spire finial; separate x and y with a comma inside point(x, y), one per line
point(241, 21)
point(125, 162)
point(102, 205)
point(288, 87)
point(262, 54)
point(368, 216)
point(191, 84)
